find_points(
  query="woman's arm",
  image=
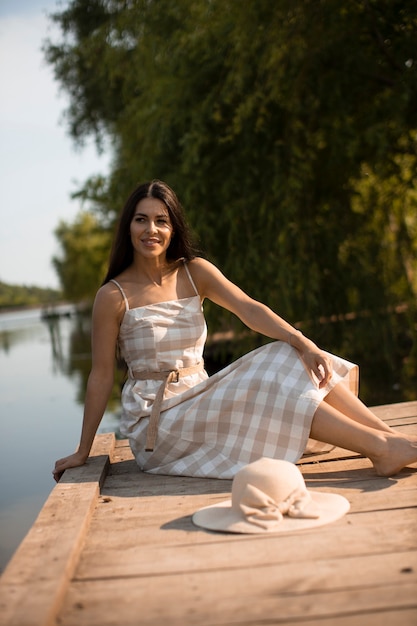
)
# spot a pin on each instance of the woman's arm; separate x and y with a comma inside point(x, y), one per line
point(212, 284)
point(107, 314)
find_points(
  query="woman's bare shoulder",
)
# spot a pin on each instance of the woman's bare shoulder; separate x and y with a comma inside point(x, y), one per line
point(207, 277)
point(109, 299)
point(198, 264)
point(108, 292)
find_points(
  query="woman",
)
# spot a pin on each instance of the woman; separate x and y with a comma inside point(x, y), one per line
point(180, 421)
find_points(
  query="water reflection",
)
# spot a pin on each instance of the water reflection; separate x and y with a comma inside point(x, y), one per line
point(54, 328)
point(22, 326)
point(44, 367)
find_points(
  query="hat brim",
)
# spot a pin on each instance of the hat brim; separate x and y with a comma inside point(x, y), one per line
point(222, 518)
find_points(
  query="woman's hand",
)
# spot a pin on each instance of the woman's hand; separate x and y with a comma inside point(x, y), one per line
point(74, 460)
point(319, 363)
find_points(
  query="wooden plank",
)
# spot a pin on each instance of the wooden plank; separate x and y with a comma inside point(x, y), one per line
point(355, 475)
point(401, 617)
point(146, 553)
point(353, 482)
point(325, 588)
point(35, 581)
point(395, 421)
point(141, 560)
point(158, 503)
point(384, 543)
point(364, 495)
point(395, 411)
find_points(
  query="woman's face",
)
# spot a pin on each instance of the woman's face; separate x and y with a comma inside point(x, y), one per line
point(151, 228)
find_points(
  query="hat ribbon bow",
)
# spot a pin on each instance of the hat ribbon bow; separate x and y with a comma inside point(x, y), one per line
point(262, 510)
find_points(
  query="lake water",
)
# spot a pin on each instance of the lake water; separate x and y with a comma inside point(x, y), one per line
point(43, 371)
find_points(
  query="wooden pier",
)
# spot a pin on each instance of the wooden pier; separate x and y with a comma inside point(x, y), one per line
point(116, 547)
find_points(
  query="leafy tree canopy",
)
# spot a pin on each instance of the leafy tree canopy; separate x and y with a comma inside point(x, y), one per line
point(84, 246)
point(287, 127)
point(16, 296)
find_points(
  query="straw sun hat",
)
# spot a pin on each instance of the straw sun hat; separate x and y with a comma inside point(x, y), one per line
point(270, 496)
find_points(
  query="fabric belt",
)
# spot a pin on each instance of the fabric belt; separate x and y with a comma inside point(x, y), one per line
point(165, 376)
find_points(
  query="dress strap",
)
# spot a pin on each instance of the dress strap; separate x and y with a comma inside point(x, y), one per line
point(189, 277)
point(122, 292)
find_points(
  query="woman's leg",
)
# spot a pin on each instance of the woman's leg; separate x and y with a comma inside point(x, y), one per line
point(347, 403)
point(389, 452)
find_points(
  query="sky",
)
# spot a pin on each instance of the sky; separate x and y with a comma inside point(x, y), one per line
point(39, 165)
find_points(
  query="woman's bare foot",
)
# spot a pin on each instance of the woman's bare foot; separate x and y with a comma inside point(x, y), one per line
point(398, 452)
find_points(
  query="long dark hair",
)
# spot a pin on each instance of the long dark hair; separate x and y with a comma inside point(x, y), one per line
point(181, 245)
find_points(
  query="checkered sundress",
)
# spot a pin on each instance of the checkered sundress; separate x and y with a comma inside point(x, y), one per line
point(260, 405)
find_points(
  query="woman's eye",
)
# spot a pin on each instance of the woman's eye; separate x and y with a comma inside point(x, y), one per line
point(160, 221)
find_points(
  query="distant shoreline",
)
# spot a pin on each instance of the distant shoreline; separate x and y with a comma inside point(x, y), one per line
point(78, 307)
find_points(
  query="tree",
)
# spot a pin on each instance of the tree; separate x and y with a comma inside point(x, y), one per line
point(82, 264)
point(264, 116)
point(287, 127)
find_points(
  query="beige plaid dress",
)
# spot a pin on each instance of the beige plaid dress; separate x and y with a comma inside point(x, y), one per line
point(260, 405)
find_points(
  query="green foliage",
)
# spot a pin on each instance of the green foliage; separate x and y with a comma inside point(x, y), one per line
point(287, 128)
point(84, 246)
point(394, 253)
point(26, 295)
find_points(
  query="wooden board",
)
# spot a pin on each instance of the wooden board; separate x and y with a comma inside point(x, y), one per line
point(34, 583)
point(130, 554)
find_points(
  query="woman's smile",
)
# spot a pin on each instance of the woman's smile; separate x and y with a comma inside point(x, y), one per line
point(151, 228)
point(150, 242)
